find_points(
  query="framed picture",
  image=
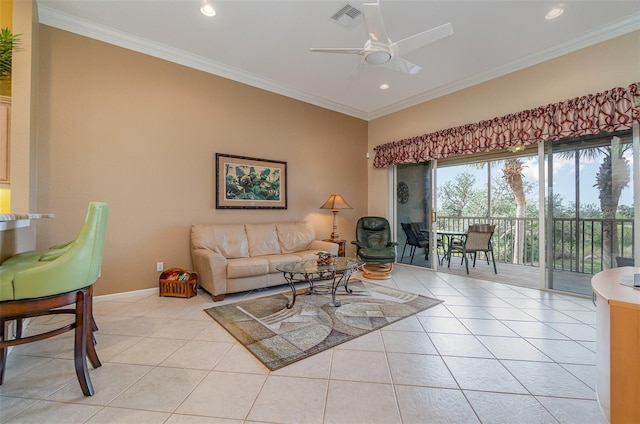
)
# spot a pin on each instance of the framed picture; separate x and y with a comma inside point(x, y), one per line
point(250, 183)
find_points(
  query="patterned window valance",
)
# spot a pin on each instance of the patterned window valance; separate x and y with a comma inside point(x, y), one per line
point(613, 110)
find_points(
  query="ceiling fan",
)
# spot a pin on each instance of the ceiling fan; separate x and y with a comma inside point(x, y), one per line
point(380, 50)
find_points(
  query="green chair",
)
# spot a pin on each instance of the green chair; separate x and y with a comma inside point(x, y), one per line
point(31, 288)
point(374, 247)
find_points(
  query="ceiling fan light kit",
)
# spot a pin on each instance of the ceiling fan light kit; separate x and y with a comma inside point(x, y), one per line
point(378, 57)
point(380, 50)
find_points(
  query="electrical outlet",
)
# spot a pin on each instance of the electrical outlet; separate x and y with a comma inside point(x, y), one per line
point(160, 266)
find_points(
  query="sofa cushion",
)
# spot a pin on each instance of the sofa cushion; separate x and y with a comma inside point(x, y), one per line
point(247, 267)
point(276, 260)
point(263, 239)
point(229, 240)
point(295, 236)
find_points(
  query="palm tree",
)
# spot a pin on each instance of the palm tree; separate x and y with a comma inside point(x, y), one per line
point(512, 173)
point(614, 174)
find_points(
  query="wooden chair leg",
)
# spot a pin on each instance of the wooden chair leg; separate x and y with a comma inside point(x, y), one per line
point(3, 352)
point(82, 337)
point(91, 341)
point(19, 325)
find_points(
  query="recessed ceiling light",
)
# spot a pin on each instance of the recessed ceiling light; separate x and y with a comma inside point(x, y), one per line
point(384, 86)
point(554, 13)
point(207, 10)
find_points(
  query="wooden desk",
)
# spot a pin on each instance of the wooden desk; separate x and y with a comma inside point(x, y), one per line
point(618, 345)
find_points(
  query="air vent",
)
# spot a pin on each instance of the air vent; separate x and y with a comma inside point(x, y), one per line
point(348, 16)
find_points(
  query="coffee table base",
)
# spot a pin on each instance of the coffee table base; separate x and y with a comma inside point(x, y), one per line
point(337, 278)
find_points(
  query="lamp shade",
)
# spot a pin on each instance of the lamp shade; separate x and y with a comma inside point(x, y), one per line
point(335, 202)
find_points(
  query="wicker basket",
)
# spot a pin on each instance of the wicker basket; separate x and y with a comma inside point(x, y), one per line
point(178, 282)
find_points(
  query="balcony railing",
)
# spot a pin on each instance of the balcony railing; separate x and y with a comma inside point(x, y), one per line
point(578, 244)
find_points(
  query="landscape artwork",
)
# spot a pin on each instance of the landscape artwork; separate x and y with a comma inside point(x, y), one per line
point(250, 183)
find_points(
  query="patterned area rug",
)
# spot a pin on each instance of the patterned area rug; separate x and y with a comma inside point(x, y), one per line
point(278, 336)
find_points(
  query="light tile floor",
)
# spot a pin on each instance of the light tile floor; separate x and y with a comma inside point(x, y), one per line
point(491, 353)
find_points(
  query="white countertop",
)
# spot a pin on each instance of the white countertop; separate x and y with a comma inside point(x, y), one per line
point(11, 221)
point(607, 284)
point(7, 217)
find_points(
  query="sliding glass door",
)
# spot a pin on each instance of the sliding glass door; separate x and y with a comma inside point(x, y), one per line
point(414, 203)
point(590, 208)
point(554, 234)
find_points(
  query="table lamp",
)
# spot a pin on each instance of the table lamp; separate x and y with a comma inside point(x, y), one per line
point(335, 203)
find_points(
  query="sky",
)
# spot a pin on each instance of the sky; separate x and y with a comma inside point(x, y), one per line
point(563, 178)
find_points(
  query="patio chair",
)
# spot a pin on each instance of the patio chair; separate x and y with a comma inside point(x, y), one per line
point(622, 261)
point(374, 247)
point(414, 240)
point(31, 288)
point(421, 229)
point(477, 239)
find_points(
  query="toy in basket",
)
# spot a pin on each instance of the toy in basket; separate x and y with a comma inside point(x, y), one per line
point(178, 282)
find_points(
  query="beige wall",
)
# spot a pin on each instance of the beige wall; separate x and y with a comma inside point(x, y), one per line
point(615, 63)
point(141, 134)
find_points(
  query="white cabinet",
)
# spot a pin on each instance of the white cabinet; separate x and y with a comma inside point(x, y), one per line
point(618, 345)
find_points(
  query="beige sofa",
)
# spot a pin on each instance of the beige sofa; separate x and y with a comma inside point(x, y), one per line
point(231, 258)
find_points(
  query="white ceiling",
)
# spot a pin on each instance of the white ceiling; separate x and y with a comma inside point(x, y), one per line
point(266, 43)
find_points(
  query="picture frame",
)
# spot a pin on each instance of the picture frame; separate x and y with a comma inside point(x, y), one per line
point(250, 183)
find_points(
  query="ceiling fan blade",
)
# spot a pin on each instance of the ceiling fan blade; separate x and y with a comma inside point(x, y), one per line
point(403, 65)
point(337, 50)
point(373, 21)
point(422, 39)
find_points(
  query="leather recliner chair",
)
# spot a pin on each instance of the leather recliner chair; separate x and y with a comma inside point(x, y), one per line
point(375, 247)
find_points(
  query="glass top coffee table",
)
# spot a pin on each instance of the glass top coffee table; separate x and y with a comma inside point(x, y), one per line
point(310, 271)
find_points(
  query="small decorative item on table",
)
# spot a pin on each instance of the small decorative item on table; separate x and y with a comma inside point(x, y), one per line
point(178, 282)
point(325, 258)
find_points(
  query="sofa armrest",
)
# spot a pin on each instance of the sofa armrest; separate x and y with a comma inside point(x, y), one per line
point(212, 270)
point(325, 246)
